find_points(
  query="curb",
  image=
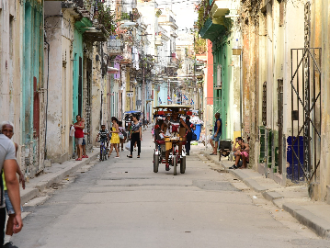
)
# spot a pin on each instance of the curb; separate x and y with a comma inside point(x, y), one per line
point(29, 194)
point(241, 176)
point(320, 226)
point(317, 224)
point(272, 196)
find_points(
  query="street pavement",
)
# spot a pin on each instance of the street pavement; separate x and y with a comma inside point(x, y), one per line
point(121, 203)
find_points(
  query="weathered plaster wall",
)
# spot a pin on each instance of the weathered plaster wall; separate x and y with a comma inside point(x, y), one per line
point(10, 65)
point(250, 13)
point(60, 34)
point(55, 97)
point(97, 93)
point(320, 38)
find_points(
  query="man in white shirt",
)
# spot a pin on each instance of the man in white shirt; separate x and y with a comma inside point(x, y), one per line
point(9, 164)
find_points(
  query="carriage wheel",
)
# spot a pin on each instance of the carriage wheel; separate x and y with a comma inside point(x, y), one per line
point(156, 163)
point(183, 165)
point(175, 164)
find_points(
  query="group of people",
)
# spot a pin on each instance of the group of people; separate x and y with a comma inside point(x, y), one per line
point(169, 125)
point(241, 152)
point(240, 148)
point(118, 136)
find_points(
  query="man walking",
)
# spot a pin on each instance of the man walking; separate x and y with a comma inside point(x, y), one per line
point(8, 130)
point(9, 164)
point(217, 134)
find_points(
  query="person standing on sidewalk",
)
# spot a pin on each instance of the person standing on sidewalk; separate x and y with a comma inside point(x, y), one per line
point(217, 134)
point(79, 135)
point(8, 130)
point(84, 142)
point(114, 137)
point(136, 135)
point(189, 135)
point(122, 135)
point(9, 164)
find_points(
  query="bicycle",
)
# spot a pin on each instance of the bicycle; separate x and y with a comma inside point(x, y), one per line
point(103, 151)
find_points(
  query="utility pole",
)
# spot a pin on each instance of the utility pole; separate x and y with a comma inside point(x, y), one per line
point(144, 90)
point(195, 81)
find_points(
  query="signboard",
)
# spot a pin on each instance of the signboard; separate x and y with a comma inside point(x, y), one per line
point(129, 94)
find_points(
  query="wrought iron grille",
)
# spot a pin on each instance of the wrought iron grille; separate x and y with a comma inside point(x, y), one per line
point(264, 104)
point(88, 100)
point(306, 112)
point(304, 144)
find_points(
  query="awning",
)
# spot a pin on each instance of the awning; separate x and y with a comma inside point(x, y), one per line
point(133, 112)
point(218, 24)
point(112, 70)
point(211, 31)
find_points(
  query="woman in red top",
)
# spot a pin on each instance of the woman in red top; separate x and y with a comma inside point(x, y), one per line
point(79, 135)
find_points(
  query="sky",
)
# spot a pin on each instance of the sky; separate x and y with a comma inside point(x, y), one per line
point(184, 10)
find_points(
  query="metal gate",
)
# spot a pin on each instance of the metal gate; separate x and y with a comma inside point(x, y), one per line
point(89, 100)
point(305, 143)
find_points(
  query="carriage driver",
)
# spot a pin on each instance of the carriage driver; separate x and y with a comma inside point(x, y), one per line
point(175, 120)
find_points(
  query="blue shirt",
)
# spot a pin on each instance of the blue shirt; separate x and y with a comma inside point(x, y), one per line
point(216, 126)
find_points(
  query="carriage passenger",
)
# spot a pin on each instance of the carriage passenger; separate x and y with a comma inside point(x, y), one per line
point(175, 121)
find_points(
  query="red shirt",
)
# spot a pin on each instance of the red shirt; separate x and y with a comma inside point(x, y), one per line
point(79, 133)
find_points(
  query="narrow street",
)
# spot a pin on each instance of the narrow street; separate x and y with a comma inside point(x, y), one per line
point(121, 203)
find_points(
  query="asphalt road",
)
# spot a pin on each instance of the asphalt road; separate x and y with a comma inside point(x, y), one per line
point(121, 203)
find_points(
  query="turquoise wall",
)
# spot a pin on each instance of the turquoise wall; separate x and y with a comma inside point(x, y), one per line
point(77, 52)
point(32, 65)
point(222, 53)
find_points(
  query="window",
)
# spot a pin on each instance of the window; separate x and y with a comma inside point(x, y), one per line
point(219, 76)
point(264, 104)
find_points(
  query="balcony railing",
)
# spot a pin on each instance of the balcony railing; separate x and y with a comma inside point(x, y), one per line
point(158, 40)
point(126, 16)
point(115, 46)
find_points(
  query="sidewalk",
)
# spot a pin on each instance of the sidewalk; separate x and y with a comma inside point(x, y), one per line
point(293, 199)
point(51, 175)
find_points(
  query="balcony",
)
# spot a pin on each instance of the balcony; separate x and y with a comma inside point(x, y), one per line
point(174, 34)
point(158, 40)
point(216, 24)
point(126, 16)
point(168, 20)
point(127, 57)
point(115, 46)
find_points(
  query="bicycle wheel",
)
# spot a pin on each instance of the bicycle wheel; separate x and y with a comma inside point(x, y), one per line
point(102, 153)
point(105, 155)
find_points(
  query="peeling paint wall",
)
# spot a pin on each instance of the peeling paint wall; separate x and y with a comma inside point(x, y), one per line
point(11, 13)
point(32, 108)
point(320, 37)
point(97, 92)
point(59, 25)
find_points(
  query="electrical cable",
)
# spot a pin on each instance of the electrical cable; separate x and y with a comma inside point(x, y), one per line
point(46, 119)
